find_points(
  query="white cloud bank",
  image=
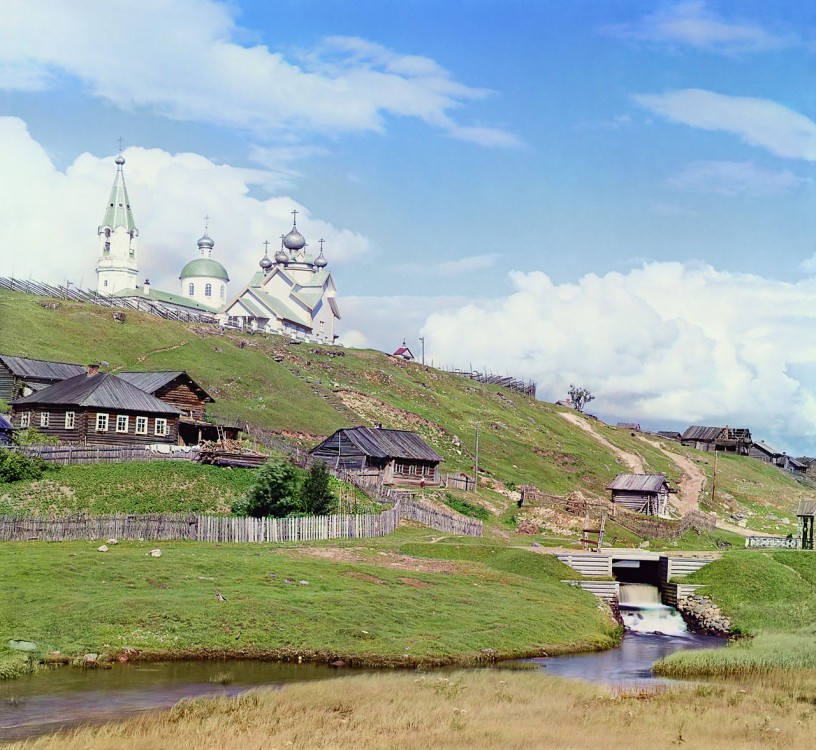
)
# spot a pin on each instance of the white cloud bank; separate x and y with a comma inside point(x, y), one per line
point(672, 342)
point(692, 24)
point(48, 218)
point(758, 122)
point(183, 60)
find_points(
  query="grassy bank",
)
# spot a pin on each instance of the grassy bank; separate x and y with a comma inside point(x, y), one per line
point(484, 709)
point(769, 597)
point(137, 487)
point(366, 603)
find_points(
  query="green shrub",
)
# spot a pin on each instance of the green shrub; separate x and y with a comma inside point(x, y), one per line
point(276, 491)
point(316, 496)
point(30, 436)
point(15, 467)
point(465, 508)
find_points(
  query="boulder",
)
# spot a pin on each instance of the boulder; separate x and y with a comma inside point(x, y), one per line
point(155, 553)
point(103, 548)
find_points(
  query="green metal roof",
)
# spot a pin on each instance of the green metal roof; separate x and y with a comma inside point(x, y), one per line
point(204, 267)
point(158, 296)
point(117, 212)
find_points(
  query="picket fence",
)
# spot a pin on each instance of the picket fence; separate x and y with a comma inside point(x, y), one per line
point(104, 454)
point(165, 527)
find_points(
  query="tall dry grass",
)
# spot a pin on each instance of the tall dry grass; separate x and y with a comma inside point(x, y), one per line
point(485, 709)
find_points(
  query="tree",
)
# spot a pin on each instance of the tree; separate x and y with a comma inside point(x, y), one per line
point(580, 396)
point(276, 491)
point(316, 496)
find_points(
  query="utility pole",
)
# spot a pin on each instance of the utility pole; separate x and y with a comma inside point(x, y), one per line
point(422, 339)
point(476, 486)
point(714, 478)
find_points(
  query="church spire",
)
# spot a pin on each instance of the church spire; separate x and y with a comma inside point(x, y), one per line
point(117, 212)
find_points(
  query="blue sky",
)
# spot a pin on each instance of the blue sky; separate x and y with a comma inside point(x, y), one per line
point(613, 193)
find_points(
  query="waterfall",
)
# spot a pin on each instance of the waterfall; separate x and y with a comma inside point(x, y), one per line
point(643, 612)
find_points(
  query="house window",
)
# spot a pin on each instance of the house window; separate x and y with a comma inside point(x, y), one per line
point(191, 289)
point(208, 290)
point(122, 423)
point(101, 422)
point(44, 419)
point(69, 420)
point(161, 427)
point(141, 425)
point(25, 419)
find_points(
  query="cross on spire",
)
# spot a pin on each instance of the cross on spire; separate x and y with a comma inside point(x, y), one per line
point(266, 247)
point(294, 217)
point(321, 241)
point(206, 223)
point(121, 143)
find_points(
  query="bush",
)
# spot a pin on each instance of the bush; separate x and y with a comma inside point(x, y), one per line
point(465, 508)
point(276, 491)
point(30, 436)
point(316, 496)
point(15, 467)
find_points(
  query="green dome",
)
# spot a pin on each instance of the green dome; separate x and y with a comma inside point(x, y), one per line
point(204, 267)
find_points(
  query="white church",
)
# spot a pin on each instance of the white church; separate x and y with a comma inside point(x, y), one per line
point(293, 295)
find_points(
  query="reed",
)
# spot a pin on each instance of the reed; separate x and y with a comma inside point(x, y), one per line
point(483, 709)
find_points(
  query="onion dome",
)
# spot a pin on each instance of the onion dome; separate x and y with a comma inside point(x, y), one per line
point(120, 160)
point(294, 241)
point(204, 267)
point(206, 242)
point(265, 263)
point(281, 256)
point(320, 260)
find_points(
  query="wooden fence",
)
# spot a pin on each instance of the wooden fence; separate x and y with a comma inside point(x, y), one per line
point(163, 527)
point(772, 542)
point(442, 520)
point(459, 482)
point(103, 454)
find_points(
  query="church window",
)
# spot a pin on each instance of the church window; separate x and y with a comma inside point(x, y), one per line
point(208, 290)
point(322, 326)
point(69, 420)
point(122, 423)
point(191, 289)
point(107, 248)
point(25, 419)
point(106, 283)
point(101, 422)
point(223, 291)
point(107, 231)
point(44, 419)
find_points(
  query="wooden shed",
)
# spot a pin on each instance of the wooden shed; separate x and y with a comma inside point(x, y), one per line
point(806, 516)
point(724, 439)
point(399, 456)
point(642, 493)
point(100, 409)
point(177, 388)
point(20, 376)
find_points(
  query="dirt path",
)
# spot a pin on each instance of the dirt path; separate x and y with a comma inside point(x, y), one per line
point(631, 461)
point(692, 480)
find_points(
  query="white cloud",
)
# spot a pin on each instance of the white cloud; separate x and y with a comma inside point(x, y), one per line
point(691, 24)
point(735, 178)
point(669, 341)
point(48, 218)
point(759, 122)
point(468, 264)
point(123, 54)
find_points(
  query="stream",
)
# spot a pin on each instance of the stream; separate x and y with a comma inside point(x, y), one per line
point(63, 697)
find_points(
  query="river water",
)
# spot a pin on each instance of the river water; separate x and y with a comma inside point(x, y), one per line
point(64, 697)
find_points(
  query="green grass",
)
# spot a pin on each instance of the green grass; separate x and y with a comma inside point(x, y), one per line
point(767, 595)
point(137, 487)
point(365, 607)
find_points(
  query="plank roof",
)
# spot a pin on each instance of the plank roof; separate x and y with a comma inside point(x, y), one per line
point(699, 432)
point(381, 443)
point(24, 367)
point(638, 482)
point(151, 380)
point(806, 508)
point(101, 391)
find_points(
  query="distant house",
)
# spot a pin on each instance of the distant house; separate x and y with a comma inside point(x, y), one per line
point(20, 376)
point(669, 435)
point(642, 493)
point(399, 456)
point(177, 388)
point(403, 352)
point(99, 409)
point(723, 439)
point(633, 426)
point(764, 452)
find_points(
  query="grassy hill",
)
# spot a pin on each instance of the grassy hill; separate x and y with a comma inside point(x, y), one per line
point(305, 391)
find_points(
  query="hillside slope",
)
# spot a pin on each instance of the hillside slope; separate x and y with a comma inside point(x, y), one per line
point(307, 391)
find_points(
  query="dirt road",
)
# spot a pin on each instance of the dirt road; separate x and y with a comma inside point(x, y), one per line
point(631, 461)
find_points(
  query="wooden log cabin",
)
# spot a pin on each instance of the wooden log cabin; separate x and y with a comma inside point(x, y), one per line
point(724, 439)
point(98, 409)
point(20, 376)
point(642, 493)
point(399, 456)
point(177, 388)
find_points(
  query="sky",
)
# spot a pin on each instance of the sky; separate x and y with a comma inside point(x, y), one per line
point(614, 194)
